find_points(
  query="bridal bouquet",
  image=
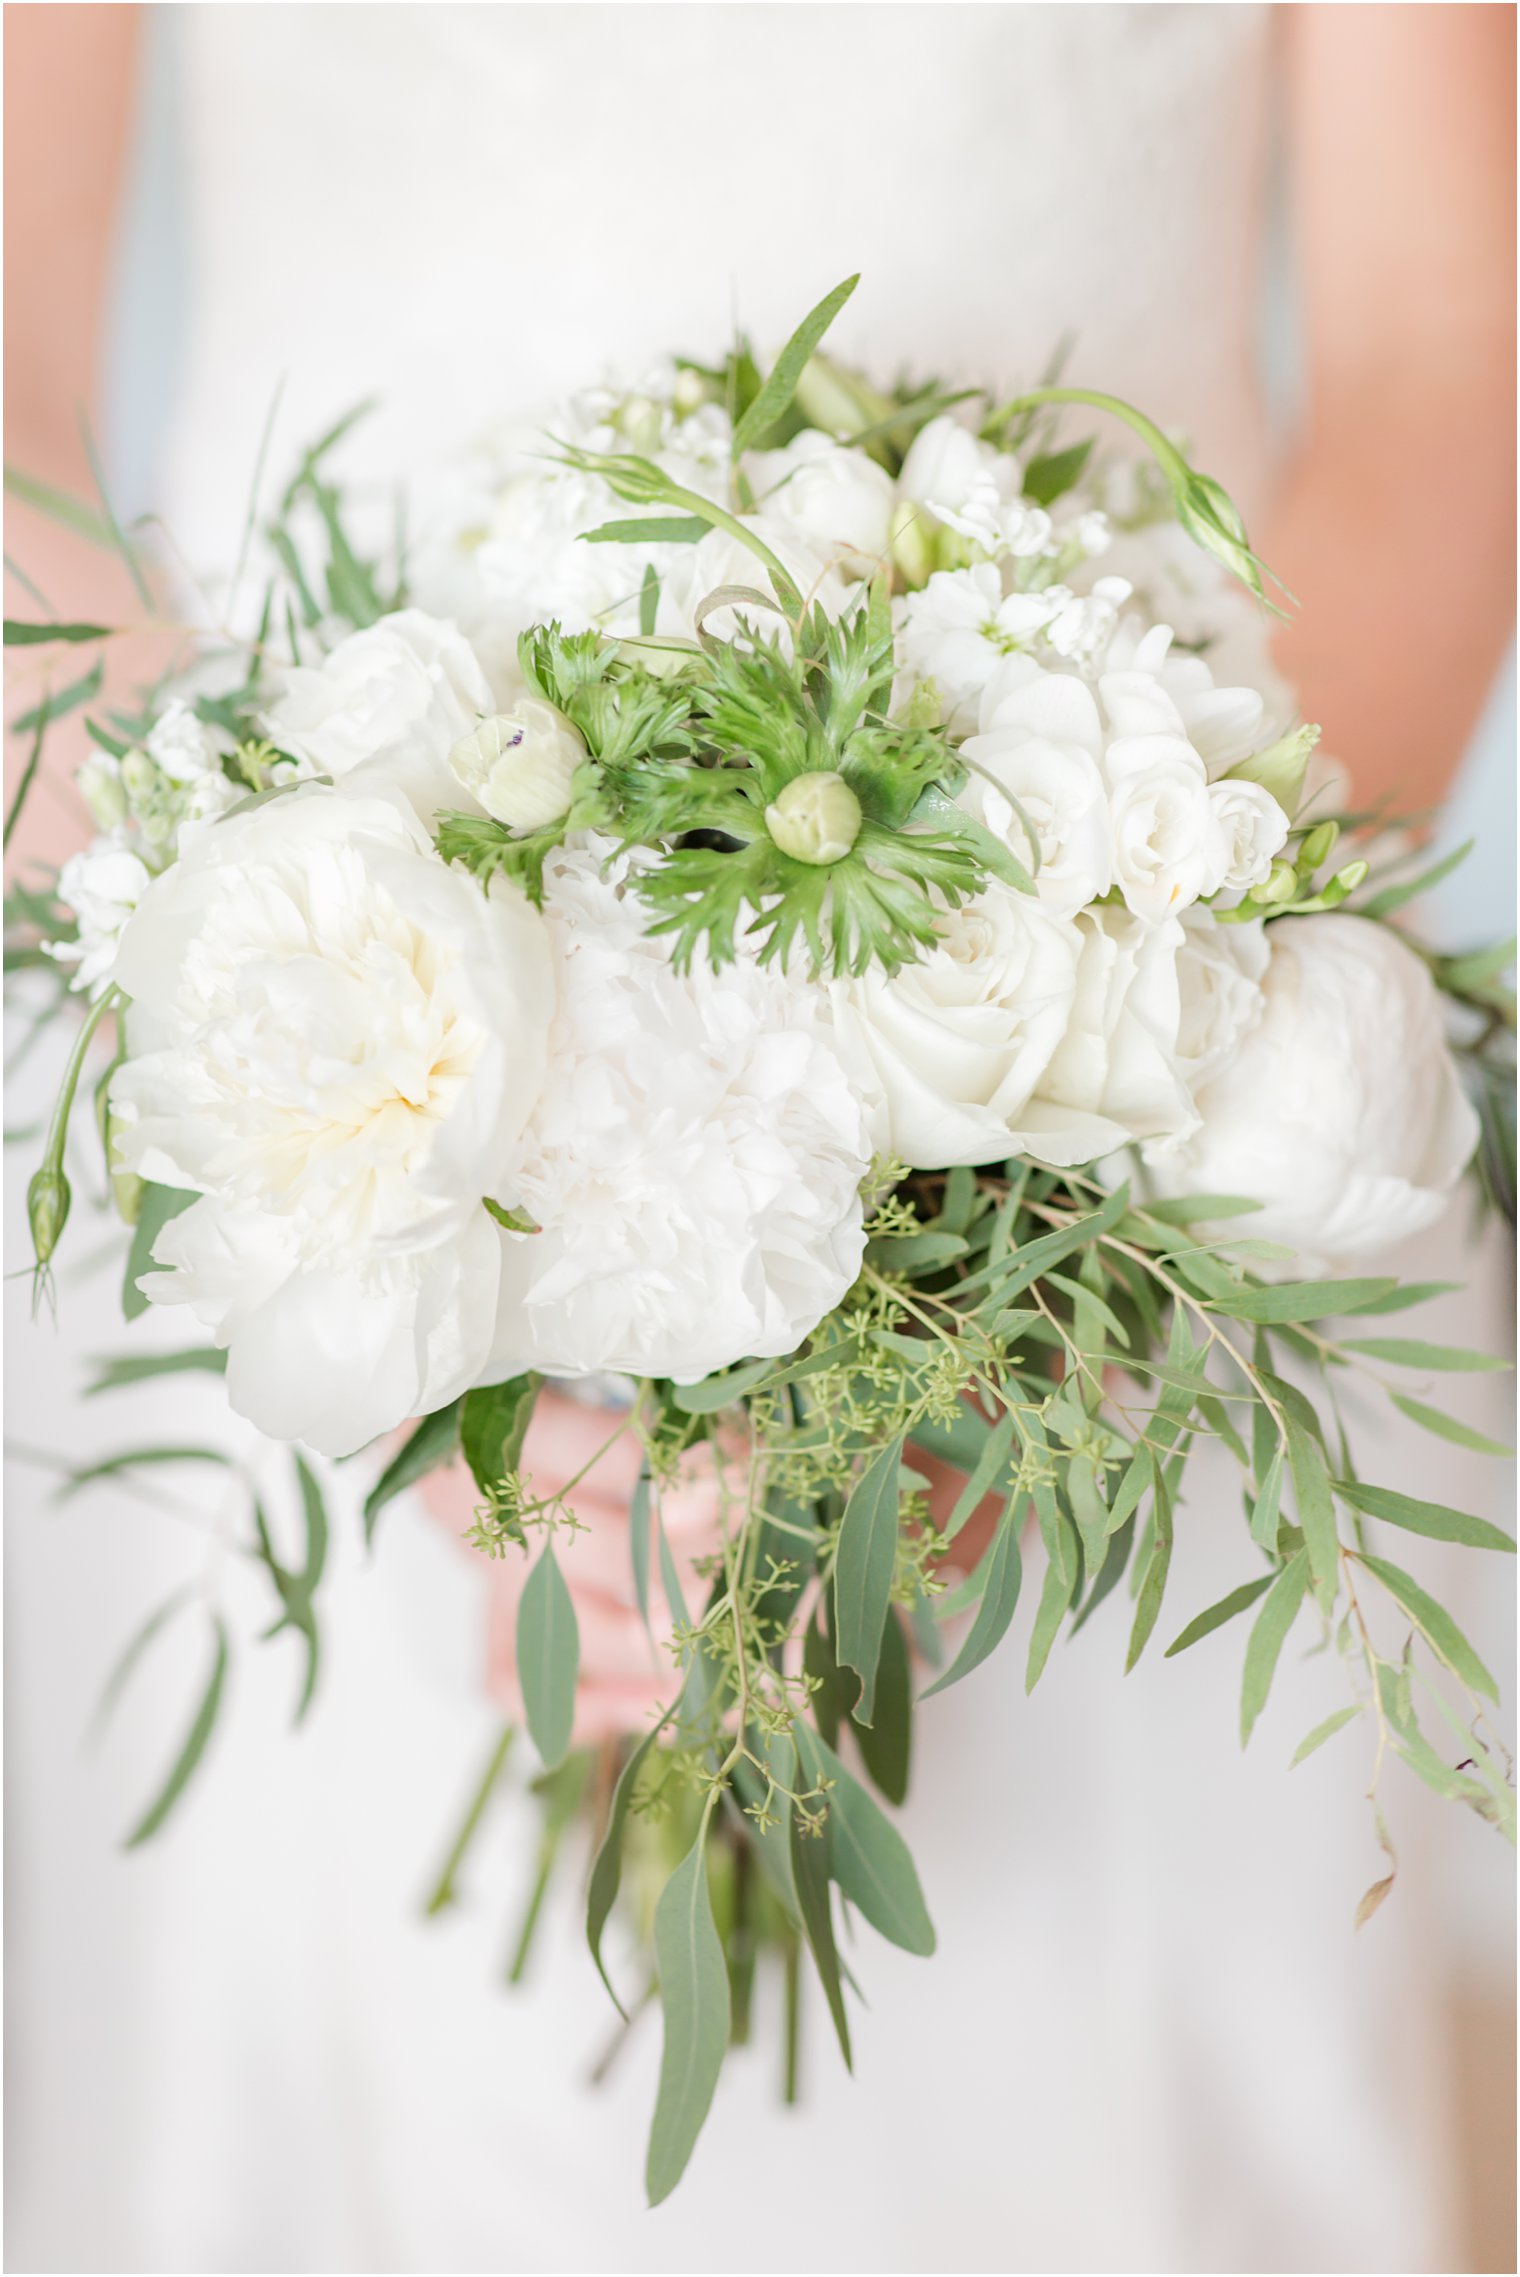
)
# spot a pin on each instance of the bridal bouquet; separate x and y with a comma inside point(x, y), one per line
point(806, 913)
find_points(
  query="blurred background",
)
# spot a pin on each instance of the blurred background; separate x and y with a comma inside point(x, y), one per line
point(74, 2058)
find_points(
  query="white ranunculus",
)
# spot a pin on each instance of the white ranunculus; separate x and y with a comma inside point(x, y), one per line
point(1118, 1064)
point(385, 708)
point(694, 1163)
point(1162, 823)
point(102, 885)
point(1341, 1111)
point(951, 1051)
point(520, 764)
point(345, 1037)
point(1247, 828)
point(839, 501)
point(1219, 974)
point(1035, 765)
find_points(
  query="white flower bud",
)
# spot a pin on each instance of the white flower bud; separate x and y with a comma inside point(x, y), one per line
point(99, 784)
point(139, 776)
point(520, 764)
point(816, 818)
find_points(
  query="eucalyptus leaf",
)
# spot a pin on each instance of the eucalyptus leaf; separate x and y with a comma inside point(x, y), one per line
point(548, 1657)
point(868, 1857)
point(431, 1444)
point(189, 1756)
point(1001, 1574)
point(1306, 1300)
point(864, 1564)
point(159, 1204)
point(1431, 1518)
point(493, 1423)
point(607, 1869)
point(1269, 1633)
point(1321, 1732)
point(1447, 1427)
point(694, 1997)
point(886, 1745)
point(1434, 1623)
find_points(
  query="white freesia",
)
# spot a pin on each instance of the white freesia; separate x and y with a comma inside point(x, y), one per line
point(1222, 722)
point(384, 709)
point(1118, 1065)
point(1341, 1110)
point(343, 1040)
point(838, 500)
point(1247, 828)
point(694, 1163)
point(520, 764)
point(1035, 768)
point(102, 885)
point(951, 1050)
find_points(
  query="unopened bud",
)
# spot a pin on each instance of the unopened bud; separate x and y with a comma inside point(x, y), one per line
point(1317, 847)
point(520, 764)
point(690, 392)
point(912, 542)
point(1279, 884)
point(47, 1209)
point(1351, 876)
point(638, 421)
point(816, 818)
point(99, 784)
point(139, 775)
point(1280, 769)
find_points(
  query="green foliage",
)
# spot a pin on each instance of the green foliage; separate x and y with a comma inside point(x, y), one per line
point(548, 1657)
point(695, 1999)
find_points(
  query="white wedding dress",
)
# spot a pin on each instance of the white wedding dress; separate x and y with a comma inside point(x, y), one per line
point(1148, 2040)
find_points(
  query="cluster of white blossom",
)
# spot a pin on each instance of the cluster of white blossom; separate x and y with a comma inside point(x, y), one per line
point(438, 1135)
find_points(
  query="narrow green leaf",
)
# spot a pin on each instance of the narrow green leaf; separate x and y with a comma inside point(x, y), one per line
point(1431, 1518)
point(59, 505)
point(1216, 1616)
point(548, 1657)
point(868, 1857)
point(1316, 1509)
point(58, 706)
point(716, 1392)
point(654, 530)
point(1305, 1300)
point(112, 1465)
point(864, 1564)
point(1269, 1633)
point(810, 1878)
point(193, 1749)
point(1157, 1565)
point(1407, 1352)
point(1063, 1565)
point(670, 1579)
point(1447, 1427)
point(886, 1746)
point(607, 1870)
point(314, 1512)
point(780, 384)
point(430, 1446)
point(1406, 1294)
point(1002, 1572)
point(116, 1683)
point(1394, 897)
point(1434, 1623)
point(638, 1538)
point(141, 1367)
point(987, 1475)
point(1322, 1732)
point(1189, 1209)
point(694, 1997)
point(18, 635)
point(1266, 1512)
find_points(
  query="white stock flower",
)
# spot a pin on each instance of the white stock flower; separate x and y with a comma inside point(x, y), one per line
point(102, 885)
point(340, 1039)
point(958, 630)
point(1035, 765)
point(1341, 1110)
point(385, 708)
point(950, 1051)
point(694, 1163)
point(1247, 828)
point(1116, 1070)
point(973, 489)
point(839, 501)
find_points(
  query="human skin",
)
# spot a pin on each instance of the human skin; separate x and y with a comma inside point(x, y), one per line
point(1394, 521)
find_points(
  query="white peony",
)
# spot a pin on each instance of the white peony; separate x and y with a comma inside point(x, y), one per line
point(1118, 1064)
point(951, 1051)
point(694, 1163)
point(1220, 969)
point(839, 501)
point(102, 885)
point(385, 708)
point(341, 1039)
point(1341, 1111)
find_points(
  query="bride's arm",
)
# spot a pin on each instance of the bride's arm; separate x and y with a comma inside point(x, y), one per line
point(1395, 527)
point(69, 81)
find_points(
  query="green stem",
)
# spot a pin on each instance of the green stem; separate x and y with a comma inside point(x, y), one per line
point(1164, 449)
point(28, 772)
point(445, 1893)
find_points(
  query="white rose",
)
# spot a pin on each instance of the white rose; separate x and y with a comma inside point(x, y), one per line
point(385, 709)
point(1247, 828)
point(951, 1050)
point(1341, 1111)
point(348, 1037)
point(839, 501)
point(1162, 822)
point(1034, 769)
point(694, 1164)
point(520, 764)
point(102, 886)
point(1116, 1071)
